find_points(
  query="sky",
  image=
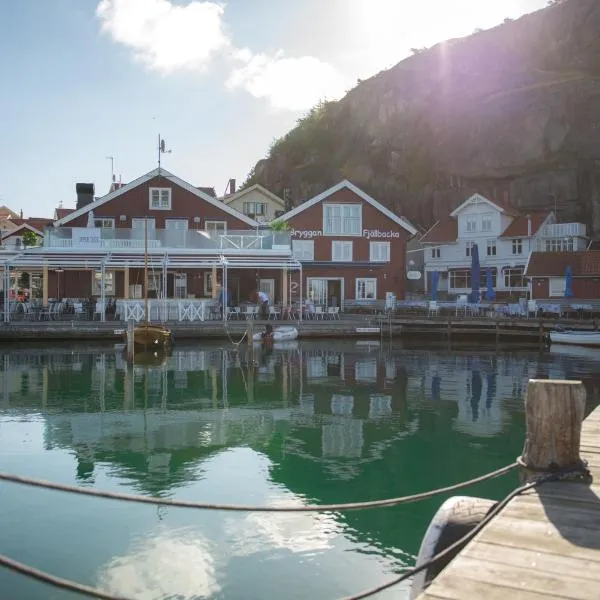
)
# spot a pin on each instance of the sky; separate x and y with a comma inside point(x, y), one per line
point(83, 80)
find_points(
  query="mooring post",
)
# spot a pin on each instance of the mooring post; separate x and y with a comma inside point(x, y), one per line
point(130, 339)
point(554, 412)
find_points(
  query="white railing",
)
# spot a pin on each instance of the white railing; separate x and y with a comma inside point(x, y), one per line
point(562, 230)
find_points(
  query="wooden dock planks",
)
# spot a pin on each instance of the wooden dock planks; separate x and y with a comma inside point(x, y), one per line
point(544, 544)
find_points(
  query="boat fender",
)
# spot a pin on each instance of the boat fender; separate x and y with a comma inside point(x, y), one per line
point(454, 519)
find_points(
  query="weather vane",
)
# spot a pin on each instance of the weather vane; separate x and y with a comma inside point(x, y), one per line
point(161, 149)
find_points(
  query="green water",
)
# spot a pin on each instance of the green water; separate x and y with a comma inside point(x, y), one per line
point(315, 422)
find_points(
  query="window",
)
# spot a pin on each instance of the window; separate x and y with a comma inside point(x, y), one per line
point(517, 246)
point(317, 290)
point(559, 245)
point(255, 208)
point(513, 278)
point(491, 247)
point(557, 286)
point(366, 288)
point(303, 249)
point(341, 251)
point(160, 198)
point(104, 223)
point(138, 223)
point(342, 219)
point(436, 252)
point(208, 283)
point(109, 283)
point(471, 224)
point(215, 227)
point(468, 247)
point(176, 224)
point(379, 251)
point(460, 279)
point(180, 281)
point(486, 222)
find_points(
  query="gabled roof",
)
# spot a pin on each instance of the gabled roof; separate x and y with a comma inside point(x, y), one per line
point(256, 187)
point(554, 264)
point(61, 213)
point(7, 212)
point(444, 231)
point(499, 206)
point(519, 226)
point(148, 177)
point(19, 228)
point(356, 190)
point(36, 223)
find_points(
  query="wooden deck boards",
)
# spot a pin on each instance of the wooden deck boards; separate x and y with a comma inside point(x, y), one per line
point(544, 544)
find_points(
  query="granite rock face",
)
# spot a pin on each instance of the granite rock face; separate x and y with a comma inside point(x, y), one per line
point(512, 112)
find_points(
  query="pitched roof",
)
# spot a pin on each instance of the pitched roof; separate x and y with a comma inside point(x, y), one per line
point(209, 191)
point(148, 177)
point(519, 226)
point(499, 205)
point(36, 223)
point(61, 213)
point(256, 187)
point(554, 264)
point(7, 212)
point(356, 190)
point(445, 230)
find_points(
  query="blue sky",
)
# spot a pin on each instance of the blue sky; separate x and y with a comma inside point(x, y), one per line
point(87, 79)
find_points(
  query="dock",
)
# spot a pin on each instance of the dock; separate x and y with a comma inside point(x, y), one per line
point(544, 544)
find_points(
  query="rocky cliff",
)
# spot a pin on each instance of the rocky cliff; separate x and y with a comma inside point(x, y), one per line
point(511, 112)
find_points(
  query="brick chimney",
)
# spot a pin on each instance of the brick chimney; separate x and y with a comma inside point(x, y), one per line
point(232, 186)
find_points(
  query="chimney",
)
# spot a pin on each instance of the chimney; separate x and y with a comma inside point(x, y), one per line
point(21, 214)
point(232, 186)
point(85, 194)
point(528, 225)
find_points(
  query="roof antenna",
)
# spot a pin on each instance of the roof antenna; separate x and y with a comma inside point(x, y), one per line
point(112, 168)
point(161, 150)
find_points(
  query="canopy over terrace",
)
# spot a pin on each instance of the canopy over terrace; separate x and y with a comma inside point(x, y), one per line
point(157, 260)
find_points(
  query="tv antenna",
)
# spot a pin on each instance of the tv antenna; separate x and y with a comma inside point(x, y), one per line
point(162, 149)
point(112, 168)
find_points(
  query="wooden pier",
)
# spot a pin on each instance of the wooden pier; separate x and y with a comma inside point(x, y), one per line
point(544, 543)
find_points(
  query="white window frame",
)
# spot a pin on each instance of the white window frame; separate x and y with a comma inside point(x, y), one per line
point(341, 251)
point(436, 253)
point(104, 222)
point(138, 223)
point(491, 248)
point(379, 251)
point(255, 208)
point(181, 279)
point(471, 223)
point(556, 287)
point(512, 273)
point(208, 223)
point(303, 249)
point(330, 224)
point(174, 224)
point(468, 247)
point(109, 283)
point(517, 246)
point(164, 198)
point(366, 281)
point(487, 221)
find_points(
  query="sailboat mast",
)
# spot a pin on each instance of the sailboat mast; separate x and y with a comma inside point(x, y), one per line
point(146, 270)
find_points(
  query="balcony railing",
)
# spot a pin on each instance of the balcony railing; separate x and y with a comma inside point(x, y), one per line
point(91, 238)
point(563, 230)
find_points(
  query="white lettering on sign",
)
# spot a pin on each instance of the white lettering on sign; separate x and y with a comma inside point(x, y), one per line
point(308, 234)
point(86, 236)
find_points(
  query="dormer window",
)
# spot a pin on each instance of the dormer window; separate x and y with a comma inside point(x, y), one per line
point(160, 198)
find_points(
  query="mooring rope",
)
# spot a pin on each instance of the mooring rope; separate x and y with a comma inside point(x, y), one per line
point(62, 487)
point(73, 586)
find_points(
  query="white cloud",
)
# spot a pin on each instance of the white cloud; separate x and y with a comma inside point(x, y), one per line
point(167, 37)
point(164, 36)
point(288, 83)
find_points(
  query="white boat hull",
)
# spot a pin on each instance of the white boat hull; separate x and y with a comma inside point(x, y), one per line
point(577, 338)
point(280, 334)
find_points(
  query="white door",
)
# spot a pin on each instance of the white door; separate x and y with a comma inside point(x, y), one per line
point(268, 287)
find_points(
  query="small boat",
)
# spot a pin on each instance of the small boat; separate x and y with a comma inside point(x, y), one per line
point(149, 335)
point(577, 338)
point(280, 334)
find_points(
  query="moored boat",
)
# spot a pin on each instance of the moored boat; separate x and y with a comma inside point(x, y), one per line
point(279, 334)
point(149, 335)
point(577, 338)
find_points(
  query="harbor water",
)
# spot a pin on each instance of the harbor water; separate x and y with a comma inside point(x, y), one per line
point(314, 422)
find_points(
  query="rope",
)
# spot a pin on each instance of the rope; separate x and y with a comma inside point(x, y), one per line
point(579, 473)
point(66, 584)
point(230, 338)
point(60, 487)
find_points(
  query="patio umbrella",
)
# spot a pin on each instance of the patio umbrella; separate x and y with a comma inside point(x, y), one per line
point(90, 221)
point(568, 282)
point(475, 274)
point(490, 292)
point(435, 279)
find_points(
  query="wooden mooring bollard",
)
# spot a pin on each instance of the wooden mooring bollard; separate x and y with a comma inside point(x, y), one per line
point(554, 413)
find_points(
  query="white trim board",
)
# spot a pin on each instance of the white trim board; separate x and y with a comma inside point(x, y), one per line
point(148, 177)
point(362, 195)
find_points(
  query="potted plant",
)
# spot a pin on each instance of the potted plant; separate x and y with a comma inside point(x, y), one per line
point(281, 234)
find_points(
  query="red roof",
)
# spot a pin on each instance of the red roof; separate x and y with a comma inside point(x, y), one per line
point(519, 226)
point(61, 213)
point(554, 264)
point(445, 230)
point(37, 223)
